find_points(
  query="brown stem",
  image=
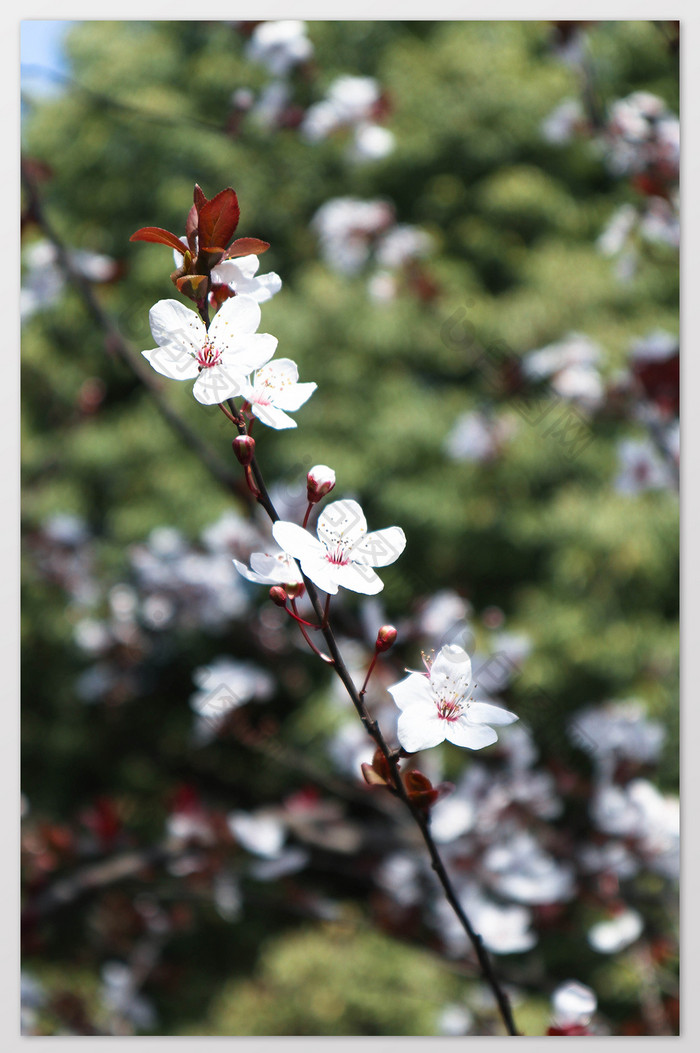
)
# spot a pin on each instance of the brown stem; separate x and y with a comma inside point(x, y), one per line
point(372, 727)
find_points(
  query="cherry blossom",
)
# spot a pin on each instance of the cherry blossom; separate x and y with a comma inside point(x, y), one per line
point(276, 388)
point(270, 568)
point(242, 278)
point(438, 706)
point(343, 553)
point(280, 45)
point(218, 359)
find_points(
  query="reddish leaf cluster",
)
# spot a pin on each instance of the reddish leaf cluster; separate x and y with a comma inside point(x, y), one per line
point(209, 229)
point(418, 786)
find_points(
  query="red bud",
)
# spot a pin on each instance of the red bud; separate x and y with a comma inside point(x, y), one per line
point(278, 595)
point(244, 449)
point(319, 482)
point(386, 638)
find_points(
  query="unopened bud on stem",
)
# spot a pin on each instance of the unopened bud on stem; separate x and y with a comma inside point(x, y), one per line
point(319, 482)
point(278, 595)
point(386, 638)
point(244, 449)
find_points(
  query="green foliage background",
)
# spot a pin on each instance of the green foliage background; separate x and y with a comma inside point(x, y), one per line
point(589, 574)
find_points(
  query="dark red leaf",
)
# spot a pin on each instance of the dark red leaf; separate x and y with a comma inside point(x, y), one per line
point(218, 218)
point(247, 247)
point(162, 237)
point(199, 198)
point(191, 229)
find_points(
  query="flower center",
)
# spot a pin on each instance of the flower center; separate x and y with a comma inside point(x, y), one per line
point(449, 708)
point(208, 356)
point(337, 554)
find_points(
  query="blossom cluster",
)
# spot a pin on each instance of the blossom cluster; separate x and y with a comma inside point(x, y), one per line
point(639, 141)
point(352, 107)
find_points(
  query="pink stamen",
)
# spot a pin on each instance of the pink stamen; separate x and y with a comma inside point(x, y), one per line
point(208, 356)
point(449, 709)
point(337, 555)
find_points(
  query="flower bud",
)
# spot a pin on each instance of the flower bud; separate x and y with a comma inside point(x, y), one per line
point(244, 449)
point(319, 482)
point(278, 595)
point(386, 638)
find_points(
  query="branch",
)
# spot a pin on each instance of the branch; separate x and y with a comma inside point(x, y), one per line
point(216, 468)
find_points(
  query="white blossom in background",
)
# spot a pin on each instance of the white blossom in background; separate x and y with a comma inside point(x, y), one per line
point(478, 437)
point(617, 731)
point(660, 222)
point(618, 230)
point(570, 365)
point(218, 359)
point(610, 937)
point(343, 554)
point(455, 1019)
point(121, 998)
point(573, 1004)
point(270, 568)
point(641, 468)
point(44, 280)
point(519, 869)
point(224, 685)
point(350, 104)
point(439, 705)
point(279, 46)
point(371, 142)
point(241, 276)
point(346, 228)
point(269, 107)
point(402, 243)
point(504, 929)
point(275, 389)
point(563, 122)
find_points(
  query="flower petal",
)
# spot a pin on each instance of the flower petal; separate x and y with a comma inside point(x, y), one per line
point(276, 567)
point(173, 363)
point(267, 285)
point(451, 670)
point(419, 728)
point(215, 384)
point(321, 572)
point(414, 688)
point(472, 736)
point(358, 577)
point(292, 398)
point(296, 541)
point(485, 713)
point(175, 325)
point(237, 316)
point(250, 352)
point(273, 417)
point(341, 522)
point(380, 547)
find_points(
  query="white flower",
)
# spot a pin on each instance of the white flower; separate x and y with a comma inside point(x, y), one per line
point(276, 388)
point(280, 45)
point(268, 568)
point(438, 706)
point(609, 937)
point(371, 142)
point(573, 1003)
point(225, 685)
point(641, 468)
point(241, 276)
point(344, 553)
point(218, 359)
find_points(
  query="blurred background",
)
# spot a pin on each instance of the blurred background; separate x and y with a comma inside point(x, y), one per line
point(476, 229)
